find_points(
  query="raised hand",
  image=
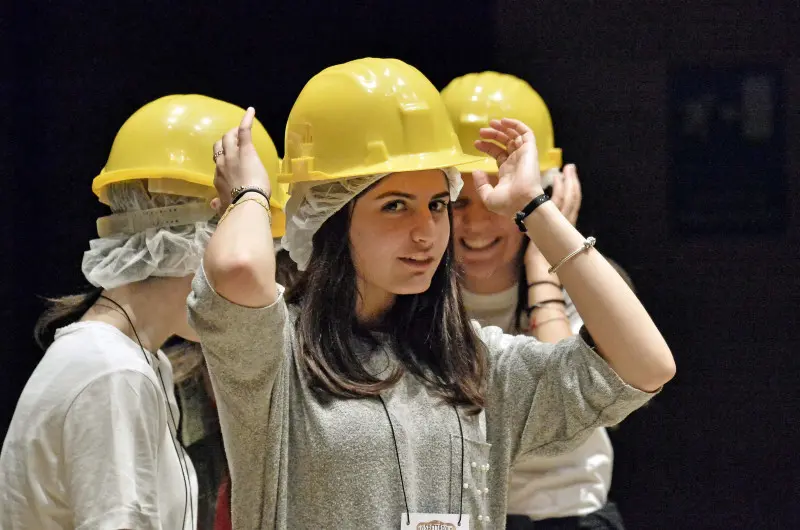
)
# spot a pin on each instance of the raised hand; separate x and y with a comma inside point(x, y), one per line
point(237, 162)
point(567, 193)
point(519, 181)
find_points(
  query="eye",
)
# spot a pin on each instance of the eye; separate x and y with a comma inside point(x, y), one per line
point(460, 203)
point(394, 206)
point(438, 205)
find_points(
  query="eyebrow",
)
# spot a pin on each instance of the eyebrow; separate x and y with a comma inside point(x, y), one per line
point(408, 195)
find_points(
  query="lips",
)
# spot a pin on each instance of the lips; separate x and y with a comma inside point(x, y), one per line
point(418, 262)
point(477, 244)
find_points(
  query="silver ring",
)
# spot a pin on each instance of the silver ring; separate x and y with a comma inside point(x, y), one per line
point(217, 155)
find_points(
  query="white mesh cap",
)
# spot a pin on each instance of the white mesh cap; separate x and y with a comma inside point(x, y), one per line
point(312, 203)
point(167, 251)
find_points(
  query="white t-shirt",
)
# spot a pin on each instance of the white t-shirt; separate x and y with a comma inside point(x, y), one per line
point(88, 447)
point(572, 484)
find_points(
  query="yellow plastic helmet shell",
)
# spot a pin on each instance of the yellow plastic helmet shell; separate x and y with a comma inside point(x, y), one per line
point(366, 117)
point(169, 143)
point(474, 99)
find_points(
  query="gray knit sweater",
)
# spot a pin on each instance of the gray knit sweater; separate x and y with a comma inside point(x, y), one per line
point(297, 463)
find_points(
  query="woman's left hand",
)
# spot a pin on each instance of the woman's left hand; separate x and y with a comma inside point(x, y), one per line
point(567, 193)
point(519, 181)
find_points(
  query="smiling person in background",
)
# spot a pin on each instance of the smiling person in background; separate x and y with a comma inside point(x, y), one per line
point(507, 283)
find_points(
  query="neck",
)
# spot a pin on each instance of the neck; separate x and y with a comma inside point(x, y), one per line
point(372, 304)
point(501, 279)
point(152, 306)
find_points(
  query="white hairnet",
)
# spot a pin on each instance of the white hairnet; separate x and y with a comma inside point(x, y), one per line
point(312, 203)
point(173, 251)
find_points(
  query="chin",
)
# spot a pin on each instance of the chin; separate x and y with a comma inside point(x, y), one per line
point(479, 271)
point(414, 286)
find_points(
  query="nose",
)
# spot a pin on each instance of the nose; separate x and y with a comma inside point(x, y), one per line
point(474, 219)
point(423, 230)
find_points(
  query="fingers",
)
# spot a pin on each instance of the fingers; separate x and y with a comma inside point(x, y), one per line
point(220, 182)
point(490, 133)
point(500, 126)
point(515, 128)
point(216, 205)
point(558, 191)
point(507, 136)
point(515, 125)
point(493, 150)
point(230, 142)
point(568, 195)
point(576, 196)
point(217, 151)
point(246, 126)
point(578, 188)
point(482, 186)
point(512, 133)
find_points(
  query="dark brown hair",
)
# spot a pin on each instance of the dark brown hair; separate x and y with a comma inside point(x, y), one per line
point(286, 272)
point(429, 332)
point(61, 312)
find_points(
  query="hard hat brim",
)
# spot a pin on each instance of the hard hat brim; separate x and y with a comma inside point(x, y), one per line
point(115, 177)
point(487, 164)
point(396, 164)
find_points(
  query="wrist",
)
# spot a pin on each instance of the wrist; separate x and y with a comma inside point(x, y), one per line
point(526, 197)
point(239, 192)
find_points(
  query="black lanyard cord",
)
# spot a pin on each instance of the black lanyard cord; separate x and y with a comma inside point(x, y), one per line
point(188, 506)
point(461, 485)
point(400, 467)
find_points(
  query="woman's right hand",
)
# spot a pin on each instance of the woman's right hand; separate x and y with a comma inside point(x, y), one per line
point(238, 164)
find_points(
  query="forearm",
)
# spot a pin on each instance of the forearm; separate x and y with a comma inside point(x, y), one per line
point(240, 261)
point(623, 332)
point(548, 323)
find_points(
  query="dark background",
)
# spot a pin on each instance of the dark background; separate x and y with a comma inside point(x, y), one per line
point(718, 448)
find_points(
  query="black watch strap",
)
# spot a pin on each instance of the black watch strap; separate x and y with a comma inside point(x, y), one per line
point(525, 212)
point(237, 193)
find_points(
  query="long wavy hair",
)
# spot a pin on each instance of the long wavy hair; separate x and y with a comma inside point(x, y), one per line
point(430, 332)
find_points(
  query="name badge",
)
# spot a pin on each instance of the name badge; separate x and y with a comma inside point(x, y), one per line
point(434, 521)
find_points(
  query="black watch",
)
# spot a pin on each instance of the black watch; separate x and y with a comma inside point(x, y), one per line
point(525, 212)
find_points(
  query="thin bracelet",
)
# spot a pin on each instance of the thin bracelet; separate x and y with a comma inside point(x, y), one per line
point(253, 199)
point(545, 282)
point(589, 243)
point(541, 305)
point(535, 324)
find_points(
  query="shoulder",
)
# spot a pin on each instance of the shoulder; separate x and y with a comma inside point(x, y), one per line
point(498, 341)
point(96, 347)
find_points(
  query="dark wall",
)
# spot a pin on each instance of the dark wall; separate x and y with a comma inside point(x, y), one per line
point(718, 448)
point(76, 70)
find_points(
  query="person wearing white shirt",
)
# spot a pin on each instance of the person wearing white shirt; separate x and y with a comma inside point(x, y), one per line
point(93, 442)
point(506, 283)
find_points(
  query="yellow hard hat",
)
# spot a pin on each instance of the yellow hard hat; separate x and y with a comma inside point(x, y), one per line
point(366, 117)
point(474, 99)
point(169, 143)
